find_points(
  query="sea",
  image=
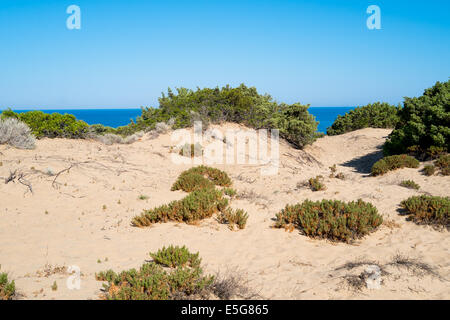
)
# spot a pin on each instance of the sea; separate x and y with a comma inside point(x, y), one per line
point(121, 117)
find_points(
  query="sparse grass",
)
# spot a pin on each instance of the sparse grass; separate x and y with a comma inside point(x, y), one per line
point(181, 280)
point(428, 210)
point(232, 284)
point(54, 286)
point(429, 170)
point(199, 204)
point(390, 163)
point(143, 197)
point(332, 219)
point(409, 184)
point(443, 164)
point(7, 288)
point(316, 184)
point(233, 218)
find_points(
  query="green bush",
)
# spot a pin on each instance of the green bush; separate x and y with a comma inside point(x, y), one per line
point(332, 219)
point(428, 209)
point(199, 204)
point(152, 282)
point(409, 184)
point(240, 105)
point(429, 169)
point(443, 163)
point(376, 115)
point(390, 163)
point(53, 125)
point(201, 177)
point(230, 192)
point(7, 288)
point(424, 123)
point(174, 257)
point(316, 184)
point(233, 218)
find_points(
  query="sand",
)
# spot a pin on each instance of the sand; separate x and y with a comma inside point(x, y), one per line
point(82, 218)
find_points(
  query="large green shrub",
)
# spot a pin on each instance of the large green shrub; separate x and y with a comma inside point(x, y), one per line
point(183, 279)
point(390, 163)
point(241, 105)
point(7, 288)
point(428, 210)
point(376, 115)
point(332, 219)
point(424, 123)
point(53, 125)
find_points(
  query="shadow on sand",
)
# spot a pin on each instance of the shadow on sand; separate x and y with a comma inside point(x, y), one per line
point(364, 163)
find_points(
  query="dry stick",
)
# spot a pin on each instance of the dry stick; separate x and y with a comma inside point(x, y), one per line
point(25, 182)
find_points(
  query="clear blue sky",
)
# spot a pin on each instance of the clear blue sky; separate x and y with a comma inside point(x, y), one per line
point(128, 52)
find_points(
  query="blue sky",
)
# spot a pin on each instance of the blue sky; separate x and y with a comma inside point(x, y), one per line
point(128, 52)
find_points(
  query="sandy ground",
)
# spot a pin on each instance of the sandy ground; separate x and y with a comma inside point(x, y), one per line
point(82, 218)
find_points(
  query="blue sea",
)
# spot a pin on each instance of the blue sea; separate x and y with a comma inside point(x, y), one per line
point(121, 117)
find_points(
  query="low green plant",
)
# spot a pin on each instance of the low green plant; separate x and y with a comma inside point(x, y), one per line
point(143, 197)
point(390, 163)
point(199, 204)
point(409, 184)
point(191, 150)
point(316, 184)
point(175, 256)
point(201, 177)
point(233, 218)
point(429, 170)
point(331, 219)
point(443, 164)
point(7, 288)
point(183, 279)
point(428, 210)
point(230, 192)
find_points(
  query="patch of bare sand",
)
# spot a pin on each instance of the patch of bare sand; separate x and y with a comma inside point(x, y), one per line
point(83, 218)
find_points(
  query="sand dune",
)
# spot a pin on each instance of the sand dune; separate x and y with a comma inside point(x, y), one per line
point(82, 217)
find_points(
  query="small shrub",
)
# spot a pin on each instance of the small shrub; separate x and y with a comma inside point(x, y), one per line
point(7, 288)
point(389, 163)
point(191, 179)
point(191, 150)
point(428, 210)
point(174, 257)
point(429, 169)
point(410, 184)
point(54, 286)
point(232, 217)
point(143, 197)
point(199, 204)
point(316, 184)
point(340, 176)
point(151, 282)
point(443, 163)
point(332, 219)
point(16, 133)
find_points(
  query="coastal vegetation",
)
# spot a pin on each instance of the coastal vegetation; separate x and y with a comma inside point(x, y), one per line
point(203, 200)
point(428, 210)
point(375, 115)
point(390, 163)
point(330, 219)
point(7, 288)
